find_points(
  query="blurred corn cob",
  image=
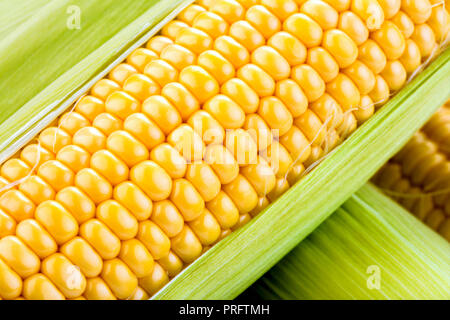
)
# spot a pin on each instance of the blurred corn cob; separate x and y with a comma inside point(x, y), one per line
point(88, 191)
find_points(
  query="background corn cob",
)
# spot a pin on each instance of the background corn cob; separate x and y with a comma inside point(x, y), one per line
point(418, 177)
point(93, 154)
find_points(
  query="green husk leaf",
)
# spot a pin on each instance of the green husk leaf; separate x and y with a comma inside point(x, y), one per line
point(32, 96)
point(228, 268)
point(370, 248)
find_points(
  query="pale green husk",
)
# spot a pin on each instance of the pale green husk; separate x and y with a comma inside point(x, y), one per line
point(370, 248)
point(236, 262)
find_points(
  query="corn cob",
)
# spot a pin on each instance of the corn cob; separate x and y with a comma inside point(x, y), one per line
point(418, 177)
point(130, 174)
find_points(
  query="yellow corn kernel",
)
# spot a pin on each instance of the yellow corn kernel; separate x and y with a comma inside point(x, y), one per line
point(89, 107)
point(314, 157)
point(53, 139)
point(321, 60)
point(261, 82)
point(167, 217)
point(187, 142)
point(224, 210)
point(394, 74)
point(425, 39)
point(172, 264)
point(94, 185)
point(7, 225)
point(346, 128)
point(172, 29)
point(33, 153)
point(258, 130)
point(372, 56)
point(344, 91)
point(211, 23)
point(380, 93)
point(271, 61)
point(263, 202)
point(17, 205)
point(140, 86)
point(245, 3)
point(36, 189)
point(309, 80)
point(279, 159)
point(390, 39)
point(169, 159)
point(187, 199)
point(276, 115)
point(361, 76)
point(132, 198)
point(72, 121)
point(292, 96)
point(404, 23)
point(229, 10)
point(107, 123)
point(242, 146)
point(263, 20)
point(89, 138)
point(225, 111)
point(242, 194)
point(66, 276)
point(161, 72)
point(105, 163)
point(155, 281)
point(119, 278)
point(5, 185)
point(79, 205)
point(156, 241)
point(118, 219)
point(289, 47)
point(243, 219)
point(74, 157)
point(222, 162)
point(341, 47)
point(281, 8)
point(137, 257)
point(232, 50)
point(204, 180)
point(97, 289)
point(206, 127)
point(57, 221)
point(439, 21)
point(181, 98)
point(121, 72)
point(99, 236)
point(18, 256)
point(297, 144)
point(186, 245)
point(194, 40)
point(322, 13)
point(354, 27)
point(246, 35)
point(158, 43)
point(139, 294)
point(206, 228)
point(144, 129)
point(260, 176)
point(82, 255)
point(226, 232)
point(214, 63)
point(242, 94)
point(370, 12)
point(14, 169)
point(390, 7)
point(281, 187)
point(190, 13)
point(199, 82)
point(304, 28)
point(127, 148)
point(104, 88)
point(39, 287)
point(315, 131)
point(10, 282)
point(418, 10)
point(140, 57)
point(36, 237)
point(152, 179)
point(178, 56)
point(328, 110)
point(365, 110)
point(296, 173)
point(121, 104)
